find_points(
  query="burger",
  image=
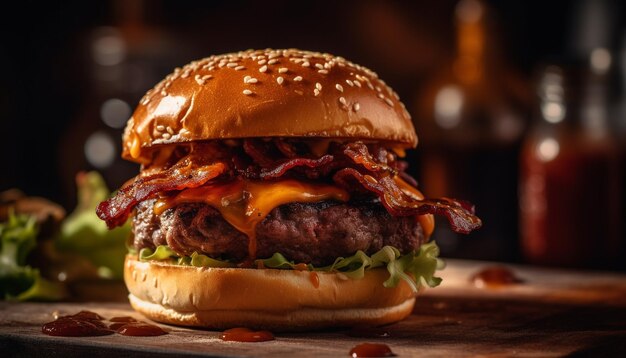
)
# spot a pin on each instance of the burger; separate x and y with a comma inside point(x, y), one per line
point(273, 194)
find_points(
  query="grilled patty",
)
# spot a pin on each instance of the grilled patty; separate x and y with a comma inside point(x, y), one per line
point(314, 233)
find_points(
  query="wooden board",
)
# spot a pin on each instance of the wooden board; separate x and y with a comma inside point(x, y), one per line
point(553, 313)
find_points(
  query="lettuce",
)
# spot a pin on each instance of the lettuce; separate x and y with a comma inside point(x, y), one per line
point(19, 281)
point(83, 233)
point(416, 268)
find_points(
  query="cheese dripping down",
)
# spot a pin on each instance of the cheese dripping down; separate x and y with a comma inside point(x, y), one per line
point(245, 203)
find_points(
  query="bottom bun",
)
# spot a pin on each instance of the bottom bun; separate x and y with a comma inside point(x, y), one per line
point(279, 300)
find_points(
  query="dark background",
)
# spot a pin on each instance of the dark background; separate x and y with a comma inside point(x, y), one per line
point(51, 88)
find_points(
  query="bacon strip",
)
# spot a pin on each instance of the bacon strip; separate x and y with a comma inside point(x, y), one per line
point(115, 211)
point(282, 168)
point(397, 203)
point(371, 167)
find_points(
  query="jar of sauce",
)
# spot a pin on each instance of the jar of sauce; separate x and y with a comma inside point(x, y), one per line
point(570, 185)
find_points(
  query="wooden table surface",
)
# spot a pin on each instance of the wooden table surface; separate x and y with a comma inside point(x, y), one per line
point(553, 313)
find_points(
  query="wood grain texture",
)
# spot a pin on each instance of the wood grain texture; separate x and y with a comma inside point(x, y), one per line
point(553, 313)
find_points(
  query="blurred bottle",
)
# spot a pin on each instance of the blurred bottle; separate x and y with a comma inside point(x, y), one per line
point(570, 177)
point(470, 125)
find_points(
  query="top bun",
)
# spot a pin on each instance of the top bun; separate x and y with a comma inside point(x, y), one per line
point(267, 93)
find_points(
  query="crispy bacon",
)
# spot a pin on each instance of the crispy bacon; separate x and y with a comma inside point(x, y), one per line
point(398, 203)
point(358, 167)
point(279, 170)
point(182, 175)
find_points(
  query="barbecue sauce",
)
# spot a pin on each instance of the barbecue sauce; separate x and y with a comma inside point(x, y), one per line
point(90, 324)
point(371, 350)
point(494, 277)
point(246, 335)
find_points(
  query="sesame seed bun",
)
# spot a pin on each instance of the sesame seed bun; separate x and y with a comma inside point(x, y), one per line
point(280, 300)
point(267, 93)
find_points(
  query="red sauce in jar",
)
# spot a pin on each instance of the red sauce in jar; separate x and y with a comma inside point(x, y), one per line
point(82, 324)
point(371, 350)
point(315, 279)
point(494, 277)
point(246, 335)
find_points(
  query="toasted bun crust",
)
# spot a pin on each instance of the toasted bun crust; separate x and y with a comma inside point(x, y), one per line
point(267, 93)
point(280, 300)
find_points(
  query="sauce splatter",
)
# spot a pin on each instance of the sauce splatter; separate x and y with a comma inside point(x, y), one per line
point(371, 350)
point(246, 335)
point(495, 277)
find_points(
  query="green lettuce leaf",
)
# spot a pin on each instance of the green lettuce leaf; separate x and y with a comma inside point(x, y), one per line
point(417, 268)
point(18, 281)
point(85, 234)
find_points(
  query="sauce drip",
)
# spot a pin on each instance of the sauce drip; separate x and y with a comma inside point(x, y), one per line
point(495, 277)
point(371, 350)
point(315, 279)
point(140, 329)
point(89, 324)
point(246, 335)
point(82, 324)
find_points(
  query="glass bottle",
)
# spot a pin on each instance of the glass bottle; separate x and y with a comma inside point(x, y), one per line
point(570, 176)
point(470, 123)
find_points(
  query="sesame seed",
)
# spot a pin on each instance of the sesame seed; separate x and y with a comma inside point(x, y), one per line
point(271, 62)
point(369, 84)
point(357, 83)
point(170, 130)
point(297, 78)
point(282, 70)
point(273, 56)
point(239, 68)
point(324, 72)
point(167, 136)
point(263, 69)
point(253, 80)
point(381, 96)
point(247, 92)
point(316, 92)
point(160, 128)
point(280, 80)
point(357, 107)
point(350, 83)
point(299, 92)
point(231, 64)
point(378, 89)
point(262, 62)
point(319, 65)
point(339, 87)
point(163, 93)
point(389, 102)
point(246, 79)
point(306, 64)
point(342, 100)
point(318, 86)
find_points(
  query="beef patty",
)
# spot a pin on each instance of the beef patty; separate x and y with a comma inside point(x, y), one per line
point(314, 233)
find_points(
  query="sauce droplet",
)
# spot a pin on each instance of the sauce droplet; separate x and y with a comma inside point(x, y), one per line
point(140, 329)
point(371, 350)
point(246, 335)
point(82, 324)
point(495, 277)
point(315, 279)
point(87, 323)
